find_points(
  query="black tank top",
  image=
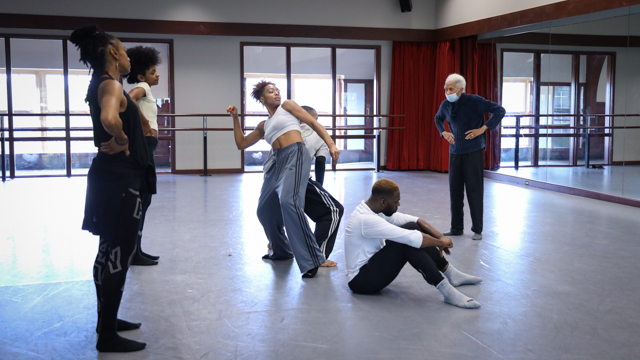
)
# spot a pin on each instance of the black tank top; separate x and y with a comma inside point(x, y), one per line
point(131, 124)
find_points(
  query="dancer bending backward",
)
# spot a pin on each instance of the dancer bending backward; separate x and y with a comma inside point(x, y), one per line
point(118, 174)
point(282, 196)
point(322, 208)
point(379, 241)
point(144, 74)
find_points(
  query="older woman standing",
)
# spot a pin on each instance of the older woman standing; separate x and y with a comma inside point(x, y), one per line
point(465, 114)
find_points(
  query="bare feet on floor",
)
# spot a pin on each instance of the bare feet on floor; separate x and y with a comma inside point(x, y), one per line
point(329, 263)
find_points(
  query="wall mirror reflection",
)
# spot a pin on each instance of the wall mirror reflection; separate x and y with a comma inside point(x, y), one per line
point(572, 95)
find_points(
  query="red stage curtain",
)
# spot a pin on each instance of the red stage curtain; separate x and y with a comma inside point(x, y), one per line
point(417, 89)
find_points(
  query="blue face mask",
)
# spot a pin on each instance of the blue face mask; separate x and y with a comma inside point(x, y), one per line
point(452, 97)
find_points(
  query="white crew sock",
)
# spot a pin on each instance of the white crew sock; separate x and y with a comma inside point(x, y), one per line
point(457, 277)
point(455, 297)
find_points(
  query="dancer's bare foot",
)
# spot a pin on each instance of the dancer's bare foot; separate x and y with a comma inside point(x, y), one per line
point(269, 246)
point(329, 263)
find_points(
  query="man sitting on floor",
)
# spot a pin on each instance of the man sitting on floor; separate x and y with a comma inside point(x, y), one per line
point(379, 241)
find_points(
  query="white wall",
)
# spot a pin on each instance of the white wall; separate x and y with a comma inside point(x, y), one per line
point(359, 13)
point(454, 12)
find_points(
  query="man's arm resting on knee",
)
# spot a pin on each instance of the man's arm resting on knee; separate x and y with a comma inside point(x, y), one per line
point(427, 228)
point(432, 237)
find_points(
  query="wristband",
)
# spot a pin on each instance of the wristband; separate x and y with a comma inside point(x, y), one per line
point(116, 140)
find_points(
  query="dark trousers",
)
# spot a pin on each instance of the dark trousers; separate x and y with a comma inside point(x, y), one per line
point(152, 144)
point(326, 212)
point(115, 252)
point(466, 171)
point(385, 265)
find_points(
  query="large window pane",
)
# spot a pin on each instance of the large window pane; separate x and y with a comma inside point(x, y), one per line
point(311, 80)
point(517, 99)
point(355, 82)
point(82, 154)
point(261, 63)
point(555, 98)
point(3, 102)
point(35, 158)
point(32, 61)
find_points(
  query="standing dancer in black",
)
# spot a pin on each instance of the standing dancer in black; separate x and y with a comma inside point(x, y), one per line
point(118, 174)
point(144, 74)
point(320, 206)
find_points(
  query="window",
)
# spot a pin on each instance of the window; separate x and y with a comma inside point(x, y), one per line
point(48, 130)
point(536, 83)
point(306, 74)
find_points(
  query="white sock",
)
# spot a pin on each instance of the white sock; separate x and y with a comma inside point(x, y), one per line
point(455, 297)
point(457, 277)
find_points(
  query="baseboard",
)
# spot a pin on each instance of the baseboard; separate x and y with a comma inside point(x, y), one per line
point(209, 171)
point(637, 162)
point(562, 189)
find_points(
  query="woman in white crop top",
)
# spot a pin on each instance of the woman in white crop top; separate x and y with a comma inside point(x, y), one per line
point(286, 173)
point(144, 74)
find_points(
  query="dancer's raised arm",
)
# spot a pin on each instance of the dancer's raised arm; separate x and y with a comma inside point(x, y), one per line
point(242, 141)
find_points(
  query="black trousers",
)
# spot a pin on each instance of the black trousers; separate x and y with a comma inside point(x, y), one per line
point(115, 252)
point(385, 265)
point(326, 212)
point(152, 144)
point(466, 171)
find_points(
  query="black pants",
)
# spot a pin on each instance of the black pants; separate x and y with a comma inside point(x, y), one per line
point(152, 144)
point(115, 252)
point(385, 265)
point(466, 171)
point(326, 212)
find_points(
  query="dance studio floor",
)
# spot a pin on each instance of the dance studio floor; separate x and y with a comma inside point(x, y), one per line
point(561, 278)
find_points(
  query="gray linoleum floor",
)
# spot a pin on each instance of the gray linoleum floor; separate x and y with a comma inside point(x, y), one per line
point(561, 278)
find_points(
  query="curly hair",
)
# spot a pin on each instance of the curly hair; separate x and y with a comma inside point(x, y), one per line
point(93, 44)
point(258, 89)
point(384, 188)
point(142, 59)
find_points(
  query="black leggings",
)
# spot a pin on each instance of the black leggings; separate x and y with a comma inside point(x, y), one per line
point(385, 265)
point(152, 144)
point(320, 168)
point(115, 252)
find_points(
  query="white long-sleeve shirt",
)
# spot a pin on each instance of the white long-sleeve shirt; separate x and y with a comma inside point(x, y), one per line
point(366, 233)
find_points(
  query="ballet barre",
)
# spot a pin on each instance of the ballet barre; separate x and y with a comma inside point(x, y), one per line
point(206, 129)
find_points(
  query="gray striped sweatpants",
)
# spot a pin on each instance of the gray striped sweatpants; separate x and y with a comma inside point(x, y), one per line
point(281, 203)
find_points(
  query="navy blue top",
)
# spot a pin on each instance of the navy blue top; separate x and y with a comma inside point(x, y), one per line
point(468, 114)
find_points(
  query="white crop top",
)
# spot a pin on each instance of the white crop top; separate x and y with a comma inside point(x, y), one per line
point(280, 123)
point(147, 105)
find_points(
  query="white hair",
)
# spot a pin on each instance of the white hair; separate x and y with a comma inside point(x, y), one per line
point(458, 80)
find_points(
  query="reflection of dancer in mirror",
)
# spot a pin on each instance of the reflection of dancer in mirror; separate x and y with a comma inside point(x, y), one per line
point(379, 241)
point(144, 74)
point(286, 173)
point(322, 208)
point(118, 174)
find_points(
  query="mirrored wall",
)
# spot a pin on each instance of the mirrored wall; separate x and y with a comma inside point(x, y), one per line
point(571, 89)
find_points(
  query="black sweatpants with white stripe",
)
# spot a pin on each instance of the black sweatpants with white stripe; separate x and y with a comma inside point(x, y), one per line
point(326, 212)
